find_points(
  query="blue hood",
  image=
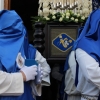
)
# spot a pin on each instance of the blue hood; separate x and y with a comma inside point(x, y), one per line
point(89, 39)
point(12, 34)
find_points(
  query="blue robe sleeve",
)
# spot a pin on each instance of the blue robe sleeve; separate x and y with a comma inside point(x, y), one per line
point(31, 52)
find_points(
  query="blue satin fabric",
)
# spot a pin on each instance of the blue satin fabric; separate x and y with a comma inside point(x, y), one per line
point(14, 39)
point(12, 33)
point(89, 39)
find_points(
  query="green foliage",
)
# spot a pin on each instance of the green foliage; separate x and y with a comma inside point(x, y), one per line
point(66, 17)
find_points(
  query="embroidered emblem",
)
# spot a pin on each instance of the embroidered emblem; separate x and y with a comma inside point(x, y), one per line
point(63, 42)
point(20, 60)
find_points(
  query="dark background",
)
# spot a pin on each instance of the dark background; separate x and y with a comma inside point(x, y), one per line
point(26, 9)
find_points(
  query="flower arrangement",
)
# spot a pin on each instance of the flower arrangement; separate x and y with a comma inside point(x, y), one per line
point(65, 17)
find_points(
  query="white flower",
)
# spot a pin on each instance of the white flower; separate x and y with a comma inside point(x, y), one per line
point(67, 14)
point(47, 18)
point(72, 18)
point(76, 20)
point(78, 15)
point(82, 17)
point(67, 17)
point(62, 16)
point(53, 17)
point(75, 14)
point(60, 19)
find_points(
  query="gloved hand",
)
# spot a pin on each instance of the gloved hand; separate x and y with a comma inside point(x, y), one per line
point(30, 72)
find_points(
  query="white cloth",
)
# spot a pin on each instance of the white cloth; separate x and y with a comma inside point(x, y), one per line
point(70, 87)
point(46, 75)
point(12, 84)
point(89, 74)
point(73, 97)
point(1, 4)
point(84, 97)
point(46, 68)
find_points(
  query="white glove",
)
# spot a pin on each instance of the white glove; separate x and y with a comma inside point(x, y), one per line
point(30, 72)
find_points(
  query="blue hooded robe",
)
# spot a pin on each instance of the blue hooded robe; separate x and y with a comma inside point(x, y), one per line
point(13, 39)
point(89, 38)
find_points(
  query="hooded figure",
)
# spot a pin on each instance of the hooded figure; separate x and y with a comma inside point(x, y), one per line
point(82, 79)
point(14, 49)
